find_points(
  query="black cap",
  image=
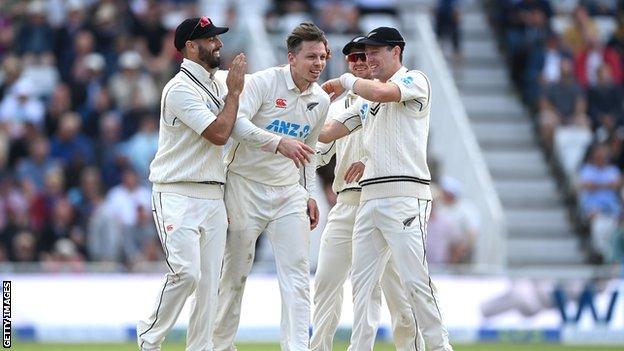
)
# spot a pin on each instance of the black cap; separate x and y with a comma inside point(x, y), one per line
point(383, 36)
point(353, 44)
point(196, 28)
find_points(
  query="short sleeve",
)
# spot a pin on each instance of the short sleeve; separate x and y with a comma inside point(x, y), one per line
point(352, 116)
point(187, 106)
point(414, 85)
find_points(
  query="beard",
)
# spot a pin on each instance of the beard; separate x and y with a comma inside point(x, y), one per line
point(208, 58)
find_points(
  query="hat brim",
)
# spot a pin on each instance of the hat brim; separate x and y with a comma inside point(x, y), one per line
point(215, 31)
point(346, 50)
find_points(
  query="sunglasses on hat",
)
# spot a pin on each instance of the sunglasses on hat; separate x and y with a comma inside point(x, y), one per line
point(204, 21)
point(354, 57)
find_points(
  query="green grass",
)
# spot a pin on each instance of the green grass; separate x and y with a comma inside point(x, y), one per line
point(274, 347)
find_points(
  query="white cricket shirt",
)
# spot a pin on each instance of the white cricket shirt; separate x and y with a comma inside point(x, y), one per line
point(348, 150)
point(276, 109)
point(395, 139)
point(186, 163)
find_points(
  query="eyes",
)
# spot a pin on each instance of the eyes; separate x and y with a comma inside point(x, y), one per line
point(313, 57)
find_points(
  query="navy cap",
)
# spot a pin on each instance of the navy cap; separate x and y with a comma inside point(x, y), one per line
point(355, 43)
point(383, 36)
point(196, 28)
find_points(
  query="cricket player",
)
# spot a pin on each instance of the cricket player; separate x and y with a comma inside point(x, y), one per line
point(335, 252)
point(263, 191)
point(197, 116)
point(395, 203)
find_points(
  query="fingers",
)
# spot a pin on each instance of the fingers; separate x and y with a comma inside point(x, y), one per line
point(313, 213)
point(307, 148)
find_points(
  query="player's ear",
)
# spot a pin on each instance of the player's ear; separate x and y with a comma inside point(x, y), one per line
point(291, 58)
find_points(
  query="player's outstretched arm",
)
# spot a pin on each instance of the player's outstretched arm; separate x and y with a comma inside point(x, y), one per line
point(333, 130)
point(219, 131)
point(369, 89)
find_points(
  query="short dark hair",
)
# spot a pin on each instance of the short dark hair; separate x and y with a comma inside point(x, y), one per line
point(402, 47)
point(305, 31)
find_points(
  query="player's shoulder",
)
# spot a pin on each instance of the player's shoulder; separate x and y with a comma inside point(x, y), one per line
point(321, 94)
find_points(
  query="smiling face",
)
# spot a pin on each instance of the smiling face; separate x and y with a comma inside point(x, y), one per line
point(307, 63)
point(208, 51)
point(383, 61)
point(359, 67)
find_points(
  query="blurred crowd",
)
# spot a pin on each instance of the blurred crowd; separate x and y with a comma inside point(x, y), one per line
point(568, 64)
point(80, 85)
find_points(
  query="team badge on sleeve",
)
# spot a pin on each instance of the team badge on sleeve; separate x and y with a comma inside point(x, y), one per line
point(407, 81)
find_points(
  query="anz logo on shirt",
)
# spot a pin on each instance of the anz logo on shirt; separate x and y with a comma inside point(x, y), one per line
point(289, 128)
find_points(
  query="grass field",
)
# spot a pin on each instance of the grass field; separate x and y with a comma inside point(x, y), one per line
point(275, 347)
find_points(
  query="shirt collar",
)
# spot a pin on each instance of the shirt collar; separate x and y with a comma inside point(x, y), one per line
point(398, 73)
point(290, 83)
point(198, 71)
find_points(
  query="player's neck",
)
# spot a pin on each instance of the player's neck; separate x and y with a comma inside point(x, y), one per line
point(300, 82)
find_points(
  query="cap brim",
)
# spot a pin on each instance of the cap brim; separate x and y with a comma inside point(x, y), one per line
point(346, 50)
point(213, 32)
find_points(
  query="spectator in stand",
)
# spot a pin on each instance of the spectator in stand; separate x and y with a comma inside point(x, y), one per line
point(599, 181)
point(543, 67)
point(616, 42)
point(109, 157)
point(42, 203)
point(142, 146)
point(88, 196)
point(34, 167)
point(72, 147)
point(338, 17)
point(562, 103)
point(137, 238)
point(84, 44)
point(59, 104)
point(24, 248)
point(87, 91)
point(604, 104)
point(131, 88)
point(443, 235)
point(582, 27)
point(62, 225)
point(594, 55)
point(464, 216)
point(12, 70)
point(35, 36)
point(124, 199)
point(21, 107)
point(447, 23)
point(66, 37)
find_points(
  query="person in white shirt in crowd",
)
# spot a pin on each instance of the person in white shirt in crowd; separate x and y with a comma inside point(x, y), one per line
point(282, 110)
point(198, 112)
point(391, 222)
point(465, 216)
point(335, 251)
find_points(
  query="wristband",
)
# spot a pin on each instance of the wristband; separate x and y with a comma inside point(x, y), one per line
point(347, 80)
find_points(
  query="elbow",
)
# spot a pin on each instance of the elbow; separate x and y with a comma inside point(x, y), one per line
point(220, 140)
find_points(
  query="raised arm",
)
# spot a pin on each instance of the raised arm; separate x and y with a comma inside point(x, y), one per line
point(219, 131)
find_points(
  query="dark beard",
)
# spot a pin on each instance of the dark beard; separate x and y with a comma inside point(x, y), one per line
point(211, 60)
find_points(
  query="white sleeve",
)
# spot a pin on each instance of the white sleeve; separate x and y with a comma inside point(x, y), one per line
point(187, 106)
point(351, 117)
point(414, 85)
point(324, 153)
point(244, 130)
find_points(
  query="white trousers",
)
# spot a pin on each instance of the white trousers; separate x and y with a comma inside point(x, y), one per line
point(280, 212)
point(394, 228)
point(333, 268)
point(192, 232)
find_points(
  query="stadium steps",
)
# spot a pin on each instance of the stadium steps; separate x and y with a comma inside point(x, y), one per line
point(540, 232)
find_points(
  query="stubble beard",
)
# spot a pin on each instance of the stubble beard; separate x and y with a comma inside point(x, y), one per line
point(208, 58)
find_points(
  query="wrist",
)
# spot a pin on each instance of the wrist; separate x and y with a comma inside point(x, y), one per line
point(347, 80)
